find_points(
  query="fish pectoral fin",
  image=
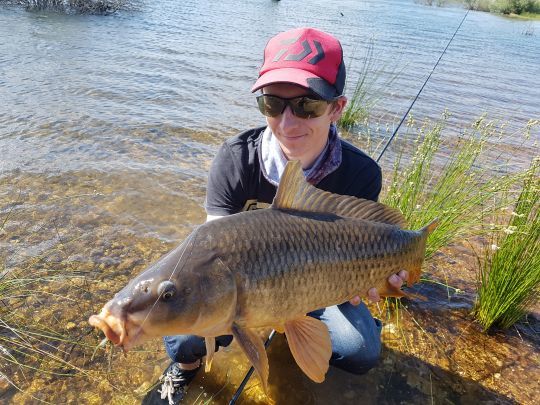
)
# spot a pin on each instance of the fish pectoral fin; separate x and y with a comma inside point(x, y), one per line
point(309, 341)
point(210, 343)
point(253, 347)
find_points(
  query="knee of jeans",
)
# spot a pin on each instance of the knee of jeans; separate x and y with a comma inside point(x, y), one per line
point(183, 348)
point(359, 361)
point(366, 363)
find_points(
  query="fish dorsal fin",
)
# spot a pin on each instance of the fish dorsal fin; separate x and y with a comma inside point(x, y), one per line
point(310, 346)
point(295, 193)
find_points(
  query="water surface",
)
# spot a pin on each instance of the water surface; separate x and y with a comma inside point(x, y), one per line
point(108, 126)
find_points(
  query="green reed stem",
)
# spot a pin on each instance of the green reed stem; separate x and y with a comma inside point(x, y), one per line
point(367, 90)
point(460, 195)
point(509, 271)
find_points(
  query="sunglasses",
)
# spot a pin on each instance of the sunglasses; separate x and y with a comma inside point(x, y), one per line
point(302, 107)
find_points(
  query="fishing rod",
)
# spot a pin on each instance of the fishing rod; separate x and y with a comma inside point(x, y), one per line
point(273, 333)
point(422, 88)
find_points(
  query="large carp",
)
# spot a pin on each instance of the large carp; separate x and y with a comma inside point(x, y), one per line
point(268, 268)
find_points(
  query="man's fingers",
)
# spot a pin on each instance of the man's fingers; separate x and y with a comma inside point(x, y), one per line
point(373, 295)
point(355, 301)
point(395, 281)
point(404, 274)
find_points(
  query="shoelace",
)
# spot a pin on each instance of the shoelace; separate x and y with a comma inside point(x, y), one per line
point(167, 388)
point(170, 382)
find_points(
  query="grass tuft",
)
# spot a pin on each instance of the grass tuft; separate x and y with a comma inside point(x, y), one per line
point(509, 271)
point(38, 344)
point(461, 194)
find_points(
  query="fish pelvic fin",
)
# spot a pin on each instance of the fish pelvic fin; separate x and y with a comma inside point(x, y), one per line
point(210, 343)
point(253, 347)
point(309, 341)
point(295, 193)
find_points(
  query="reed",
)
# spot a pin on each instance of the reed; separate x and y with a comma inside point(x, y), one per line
point(373, 79)
point(461, 194)
point(509, 269)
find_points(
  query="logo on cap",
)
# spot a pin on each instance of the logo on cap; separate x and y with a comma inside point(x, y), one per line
point(306, 57)
point(307, 50)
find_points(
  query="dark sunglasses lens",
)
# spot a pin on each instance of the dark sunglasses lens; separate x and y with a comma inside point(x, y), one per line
point(305, 107)
point(270, 106)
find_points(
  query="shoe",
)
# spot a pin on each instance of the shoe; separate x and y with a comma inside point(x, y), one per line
point(174, 382)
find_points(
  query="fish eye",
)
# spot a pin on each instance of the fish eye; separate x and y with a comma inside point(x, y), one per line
point(167, 295)
point(166, 290)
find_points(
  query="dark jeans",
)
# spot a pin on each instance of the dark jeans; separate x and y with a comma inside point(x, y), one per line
point(355, 336)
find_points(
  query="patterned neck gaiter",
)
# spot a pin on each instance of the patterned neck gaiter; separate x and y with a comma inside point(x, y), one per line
point(273, 161)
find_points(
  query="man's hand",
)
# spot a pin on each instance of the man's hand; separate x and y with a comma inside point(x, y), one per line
point(395, 280)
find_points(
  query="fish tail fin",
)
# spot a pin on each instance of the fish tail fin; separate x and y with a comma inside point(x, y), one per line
point(392, 292)
point(414, 275)
point(428, 229)
point(416, 270)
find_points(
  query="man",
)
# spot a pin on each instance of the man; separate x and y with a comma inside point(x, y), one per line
point(302, 81)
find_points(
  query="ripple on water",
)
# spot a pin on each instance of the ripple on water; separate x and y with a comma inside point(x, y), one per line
point(111, 127)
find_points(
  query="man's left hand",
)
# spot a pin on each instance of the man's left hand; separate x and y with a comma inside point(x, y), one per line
point(395, 280)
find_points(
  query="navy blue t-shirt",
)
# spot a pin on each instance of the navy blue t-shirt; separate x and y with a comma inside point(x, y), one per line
point(236, 182)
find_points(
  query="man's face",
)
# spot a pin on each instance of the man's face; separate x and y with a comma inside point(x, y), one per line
point(301, 138)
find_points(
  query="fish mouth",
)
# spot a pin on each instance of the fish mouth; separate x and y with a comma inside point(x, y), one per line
point(112, 325)
point(117, 329)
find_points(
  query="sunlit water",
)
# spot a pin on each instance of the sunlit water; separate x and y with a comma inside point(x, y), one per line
point(108, 126)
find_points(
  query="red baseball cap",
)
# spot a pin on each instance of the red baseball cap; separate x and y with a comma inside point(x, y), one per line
point(307, 57)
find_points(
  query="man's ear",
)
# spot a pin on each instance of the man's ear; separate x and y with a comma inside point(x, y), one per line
point(338, 107)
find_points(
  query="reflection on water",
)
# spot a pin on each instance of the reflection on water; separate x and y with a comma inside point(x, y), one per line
point(107, 129)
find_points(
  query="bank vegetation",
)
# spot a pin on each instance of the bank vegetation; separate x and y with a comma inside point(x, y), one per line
point(519, 7)
point(523, 8)
point(99, 7)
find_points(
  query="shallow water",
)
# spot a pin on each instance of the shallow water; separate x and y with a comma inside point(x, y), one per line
point(107, 129)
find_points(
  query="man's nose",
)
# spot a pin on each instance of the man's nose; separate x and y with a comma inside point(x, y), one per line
point(288, 119)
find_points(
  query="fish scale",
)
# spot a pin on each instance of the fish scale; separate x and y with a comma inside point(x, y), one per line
point(285, 261)
point(311, 249)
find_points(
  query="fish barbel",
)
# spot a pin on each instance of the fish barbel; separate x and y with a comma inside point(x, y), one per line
point(268, 268)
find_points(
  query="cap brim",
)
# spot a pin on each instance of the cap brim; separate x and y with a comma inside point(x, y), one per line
point(299, 77)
